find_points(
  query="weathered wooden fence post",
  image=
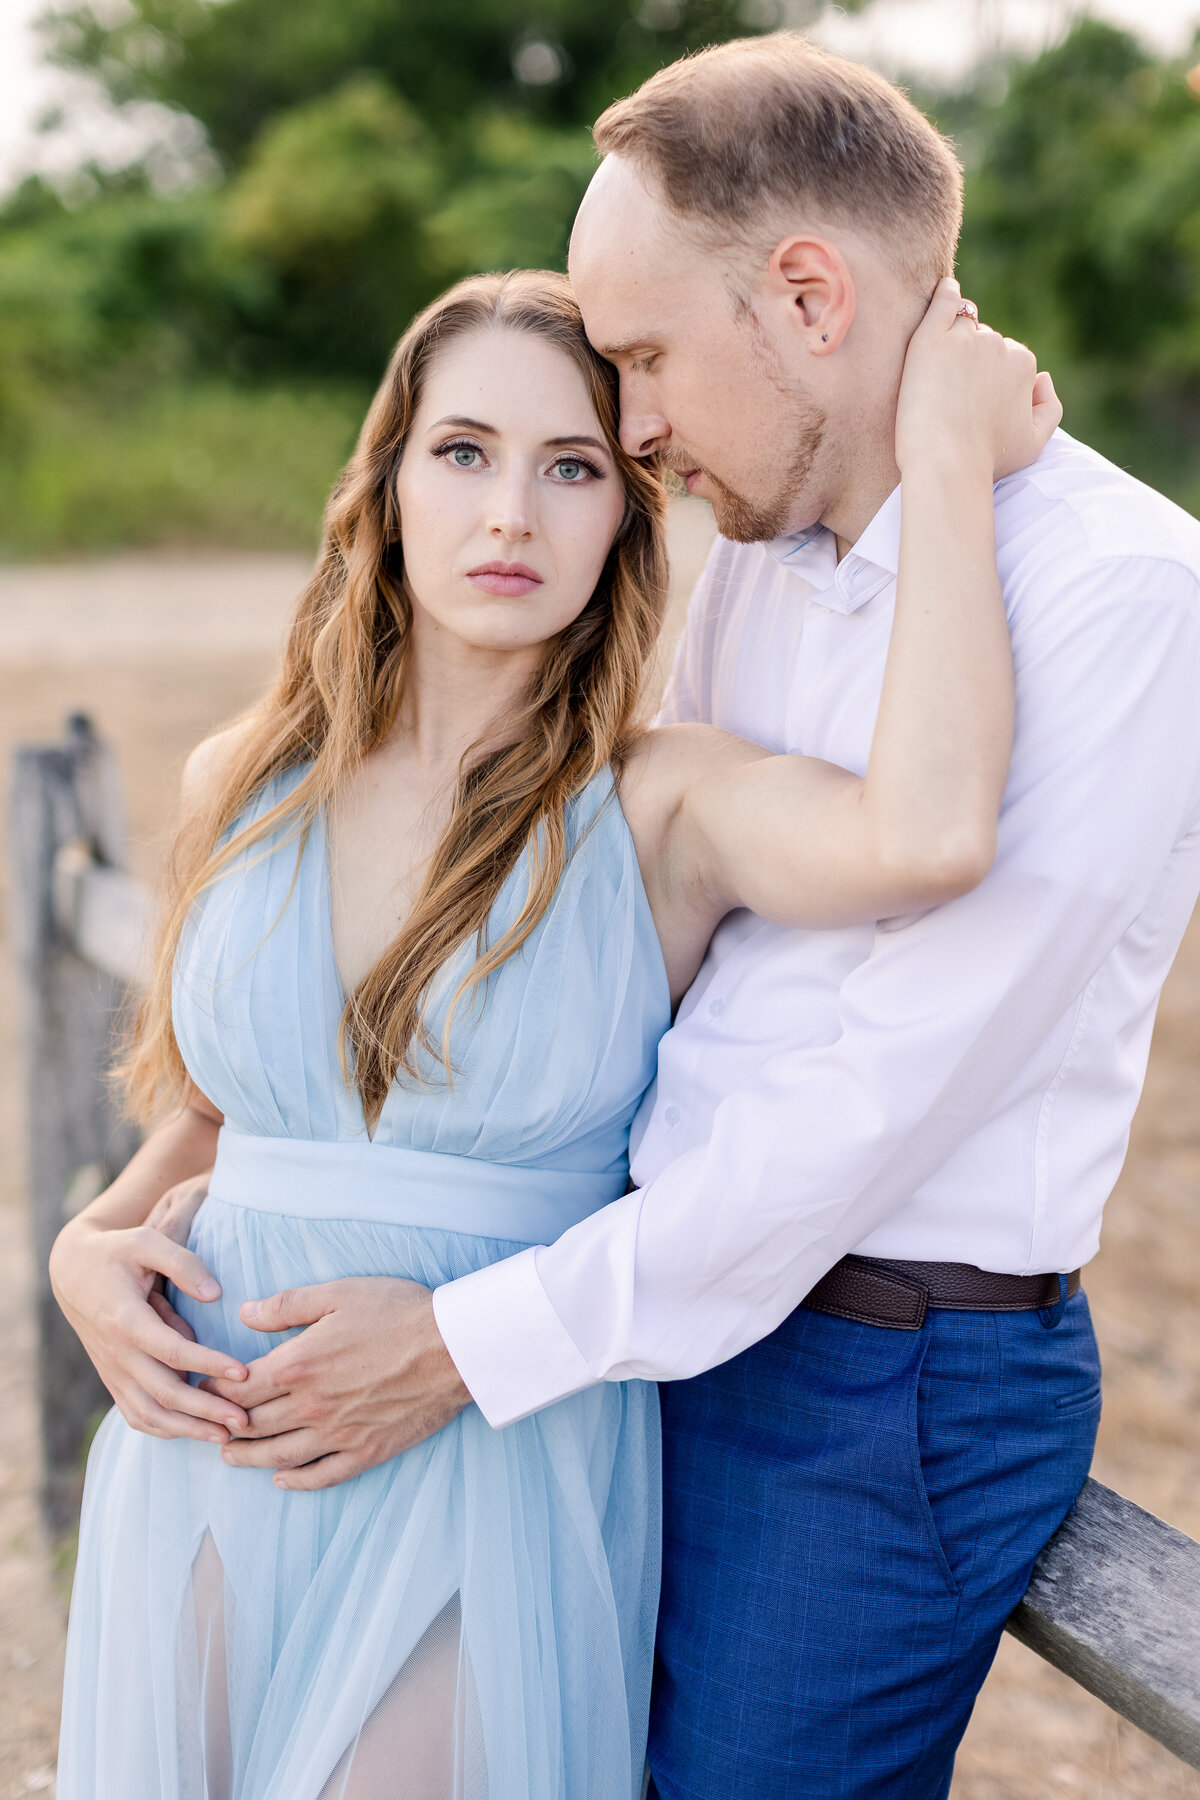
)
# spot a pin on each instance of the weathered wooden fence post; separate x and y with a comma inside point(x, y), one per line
point(67, 812)
point(1115, 1603)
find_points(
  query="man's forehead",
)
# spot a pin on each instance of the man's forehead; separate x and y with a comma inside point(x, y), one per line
point(623, 266)
point(617, 191)
point(621, 320)
point(621, 310)
point(621, 221)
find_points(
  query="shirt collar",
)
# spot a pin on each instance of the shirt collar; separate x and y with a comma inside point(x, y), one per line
point(872, 561)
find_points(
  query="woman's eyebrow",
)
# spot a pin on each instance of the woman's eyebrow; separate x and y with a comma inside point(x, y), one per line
point(462, 423)
point(465, 423)
point(594, 443)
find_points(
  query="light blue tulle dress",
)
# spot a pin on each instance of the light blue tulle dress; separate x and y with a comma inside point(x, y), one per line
point(473, 1620)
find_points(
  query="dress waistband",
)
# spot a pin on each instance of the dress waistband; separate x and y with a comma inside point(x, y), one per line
point(383, 1185)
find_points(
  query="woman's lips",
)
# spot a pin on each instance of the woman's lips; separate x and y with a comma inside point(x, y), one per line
point(505, 578)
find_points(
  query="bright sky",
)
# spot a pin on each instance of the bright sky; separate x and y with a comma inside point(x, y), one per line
point(938, 39)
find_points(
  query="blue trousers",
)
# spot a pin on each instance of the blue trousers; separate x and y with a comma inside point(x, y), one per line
point(851, 1513)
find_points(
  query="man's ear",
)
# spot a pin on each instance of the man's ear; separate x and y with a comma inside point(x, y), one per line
point(810, 279)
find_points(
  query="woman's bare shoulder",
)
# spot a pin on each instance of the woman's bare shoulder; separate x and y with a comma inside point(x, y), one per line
point(663, 770)
point(666, 760)
point(208, 764)
point(654, 770)
point(664, 765)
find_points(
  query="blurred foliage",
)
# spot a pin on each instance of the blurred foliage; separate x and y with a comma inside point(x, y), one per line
point(197, 462)
point(331, 204)
point(193, 365)
point(1082, 237)
point(236, 65)
point(367, 153)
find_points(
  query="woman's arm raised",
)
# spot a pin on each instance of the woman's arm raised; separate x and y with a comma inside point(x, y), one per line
point(805, 842)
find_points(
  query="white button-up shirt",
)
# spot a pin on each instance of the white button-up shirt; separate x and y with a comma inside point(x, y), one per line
point(956, 1086)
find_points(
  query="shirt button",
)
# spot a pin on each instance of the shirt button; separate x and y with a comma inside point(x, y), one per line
point(715, 1008)
point(671, 1116)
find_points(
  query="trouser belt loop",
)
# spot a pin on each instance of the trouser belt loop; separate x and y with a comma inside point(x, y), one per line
point(1050, 1315)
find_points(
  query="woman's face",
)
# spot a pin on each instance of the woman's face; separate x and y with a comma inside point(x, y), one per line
point(509, 496)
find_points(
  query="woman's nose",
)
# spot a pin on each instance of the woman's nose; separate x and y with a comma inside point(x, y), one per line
point(511, 530)
point(512, 515)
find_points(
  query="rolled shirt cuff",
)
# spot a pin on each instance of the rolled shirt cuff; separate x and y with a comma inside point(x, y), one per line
point(509, 1345)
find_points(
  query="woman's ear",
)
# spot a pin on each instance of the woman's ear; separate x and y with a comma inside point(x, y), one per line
point(811, 280)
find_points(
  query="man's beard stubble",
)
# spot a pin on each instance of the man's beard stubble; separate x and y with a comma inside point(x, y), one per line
point(756, 521)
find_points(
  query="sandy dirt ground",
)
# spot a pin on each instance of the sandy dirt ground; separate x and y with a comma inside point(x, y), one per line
point(160, 649)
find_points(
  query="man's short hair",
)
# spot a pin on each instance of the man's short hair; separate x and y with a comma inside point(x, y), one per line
point(746, 136)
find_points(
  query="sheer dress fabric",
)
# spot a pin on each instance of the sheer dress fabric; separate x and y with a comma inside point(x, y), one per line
point(474, 1619)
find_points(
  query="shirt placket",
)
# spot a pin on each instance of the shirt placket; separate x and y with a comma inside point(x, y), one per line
point(809, 680)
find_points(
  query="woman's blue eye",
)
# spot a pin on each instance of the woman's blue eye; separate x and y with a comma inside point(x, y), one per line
point(464, 455)
point(573, 470)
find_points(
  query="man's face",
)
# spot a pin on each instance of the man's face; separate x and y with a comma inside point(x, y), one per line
point(701, 380)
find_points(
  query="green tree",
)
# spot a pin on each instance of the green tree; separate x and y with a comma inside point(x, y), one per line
point(330, 204)
point(193, 365)
point(1082, 237)
point(374, 150)
point(236, 65)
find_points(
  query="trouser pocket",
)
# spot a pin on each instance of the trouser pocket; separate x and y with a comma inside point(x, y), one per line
point(928, 1452)
point(1004, 1420)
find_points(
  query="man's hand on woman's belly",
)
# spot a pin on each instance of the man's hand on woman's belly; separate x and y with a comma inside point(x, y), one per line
point(366, 1378)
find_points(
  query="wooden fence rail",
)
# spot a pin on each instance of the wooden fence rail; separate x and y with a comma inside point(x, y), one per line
point(68, 847)
point(1115, 1603)
point(1115, 1597)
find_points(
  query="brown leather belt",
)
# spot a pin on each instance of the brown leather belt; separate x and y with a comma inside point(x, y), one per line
point(873, 1290)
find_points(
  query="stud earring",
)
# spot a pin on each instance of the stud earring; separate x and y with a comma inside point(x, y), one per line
point(824, 337)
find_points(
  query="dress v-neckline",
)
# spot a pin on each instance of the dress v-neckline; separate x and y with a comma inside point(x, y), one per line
point(321, 824)
point(343, 992)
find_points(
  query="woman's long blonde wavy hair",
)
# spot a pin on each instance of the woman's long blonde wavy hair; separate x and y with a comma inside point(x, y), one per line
point(339, 688)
